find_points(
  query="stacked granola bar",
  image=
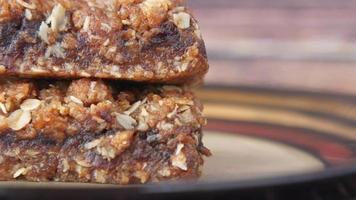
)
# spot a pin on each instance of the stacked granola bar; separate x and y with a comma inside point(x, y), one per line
point(87, 91)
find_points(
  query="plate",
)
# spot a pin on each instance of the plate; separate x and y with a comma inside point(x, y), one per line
point(264, 142)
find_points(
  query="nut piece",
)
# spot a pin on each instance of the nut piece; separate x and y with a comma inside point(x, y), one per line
point(105, 27)
point(21, 171)
point(43, 32)
point(30, 104)
point(26, 5)
point(82, 162)
point(76, 100)
point(154, 10)
point(86, 25)
point(187, 116)
point(182, 20)
point(134, 107)
point(65, 166)
point(111, 146)
point(165, 126)
point(150, 7)
point(19, 119)
point(3, 108)
point(179, 160)
point(165, 172)
point(180, 146)
point(28, 14)
point(57, 18)
point(126, 121)
point(108, 152)
point(92, 144)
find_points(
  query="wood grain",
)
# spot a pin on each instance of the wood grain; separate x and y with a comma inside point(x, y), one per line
point(296, 44)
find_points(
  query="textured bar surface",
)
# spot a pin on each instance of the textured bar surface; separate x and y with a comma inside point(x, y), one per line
point(138, 40)
point(101, 132)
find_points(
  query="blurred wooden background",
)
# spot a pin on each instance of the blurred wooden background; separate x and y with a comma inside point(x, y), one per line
point(298, 44)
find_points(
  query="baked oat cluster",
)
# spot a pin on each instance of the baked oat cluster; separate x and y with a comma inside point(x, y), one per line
point(137, 40)
point(97, 91)
point(93, 131)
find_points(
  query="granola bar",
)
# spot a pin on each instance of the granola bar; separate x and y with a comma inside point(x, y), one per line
point(98, 131)
point(136, 40)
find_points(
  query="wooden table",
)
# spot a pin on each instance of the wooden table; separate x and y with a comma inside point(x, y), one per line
point(294, 44)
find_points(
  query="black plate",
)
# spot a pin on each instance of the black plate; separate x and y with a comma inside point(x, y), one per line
point(267, 144)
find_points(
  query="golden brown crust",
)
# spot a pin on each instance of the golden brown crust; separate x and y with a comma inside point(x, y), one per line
point(138, 40)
